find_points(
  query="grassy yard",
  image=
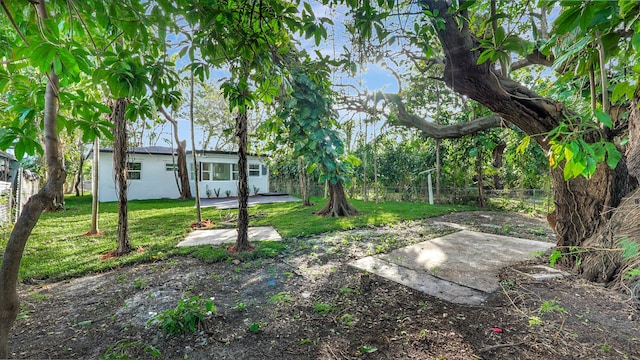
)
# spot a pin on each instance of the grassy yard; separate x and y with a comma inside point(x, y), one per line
point(58, 249)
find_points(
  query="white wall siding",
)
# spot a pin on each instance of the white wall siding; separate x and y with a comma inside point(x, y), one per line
point(155, 181)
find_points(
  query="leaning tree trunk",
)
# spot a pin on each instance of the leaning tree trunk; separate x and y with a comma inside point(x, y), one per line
point(120, 169)
point(583, 207)
point(46, 198)
point(183, 172)
point(242, 242)
point(338, 205)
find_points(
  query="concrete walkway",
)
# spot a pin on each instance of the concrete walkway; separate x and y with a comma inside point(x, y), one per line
point(224, 236)
point(460, 267)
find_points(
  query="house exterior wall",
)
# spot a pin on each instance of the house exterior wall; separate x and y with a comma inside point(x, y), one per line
point(259, 182)
point(157, 182)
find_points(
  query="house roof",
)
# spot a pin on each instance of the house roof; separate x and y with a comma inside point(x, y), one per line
point(152, 150)
point(165, 150)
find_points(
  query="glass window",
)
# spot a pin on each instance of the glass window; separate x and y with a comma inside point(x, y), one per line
point(171, 167)
point(134, 170)
point(234, 171)
point(221, 171)
point(205, 171)
point(191, 174)
point(254, 170)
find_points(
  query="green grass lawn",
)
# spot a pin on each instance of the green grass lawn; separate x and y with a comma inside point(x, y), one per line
point(57, 248)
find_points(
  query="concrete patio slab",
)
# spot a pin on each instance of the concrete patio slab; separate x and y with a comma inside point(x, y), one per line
point(232, 203)
point(224, 236)
point(467, 260)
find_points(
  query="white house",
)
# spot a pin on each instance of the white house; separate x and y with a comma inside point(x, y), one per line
point(151, 174)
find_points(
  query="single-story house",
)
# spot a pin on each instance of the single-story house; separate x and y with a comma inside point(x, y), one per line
point(152, 174)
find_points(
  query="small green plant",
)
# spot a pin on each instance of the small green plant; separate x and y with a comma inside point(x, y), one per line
point(346, 290)
point(322, 309)
point(304, 341)
point(208, 191)
point(280, 298)
point(346, 319)
point(368, 349)
point(217, 192)
point(535, 321)
point(256, 190)
point(550, 306)
point(186, 316)
point(124, 350)
point(227, 193)
point(38, 296)
point(256, 327)
point(139, 283)
point(240, 306)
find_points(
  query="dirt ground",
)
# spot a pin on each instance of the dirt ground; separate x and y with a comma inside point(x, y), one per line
point(309, 304)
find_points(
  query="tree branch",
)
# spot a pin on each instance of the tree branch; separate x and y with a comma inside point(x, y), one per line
point(438, 131)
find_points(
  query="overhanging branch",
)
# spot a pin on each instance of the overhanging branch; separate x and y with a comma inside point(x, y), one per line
point(438, 131)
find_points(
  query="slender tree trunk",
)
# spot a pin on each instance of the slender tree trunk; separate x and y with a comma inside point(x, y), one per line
point(46, 198)
point(95, 187)
point(303, 179)
point(242, 242)
point(438, 171)
point(77, 179)
point(481, 200)
point(196, 168)
point(120, 148)
point(338, 205)
point(183, 173)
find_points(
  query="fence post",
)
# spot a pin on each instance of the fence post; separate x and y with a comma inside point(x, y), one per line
point(534, 201)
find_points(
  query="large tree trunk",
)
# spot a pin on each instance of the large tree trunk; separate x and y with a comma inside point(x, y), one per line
point(46, 198)
point(120, 147)
point(183, 173)
point(242, 242)
point(583, 206)
point(338, 205)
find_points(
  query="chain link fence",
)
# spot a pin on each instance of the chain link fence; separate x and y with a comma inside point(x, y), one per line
point(537, 201)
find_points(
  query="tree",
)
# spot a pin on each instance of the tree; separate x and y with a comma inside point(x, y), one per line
point(248, 38)
point(183, 173)
point(309, 122)
point(593, 165)
point(58, 46)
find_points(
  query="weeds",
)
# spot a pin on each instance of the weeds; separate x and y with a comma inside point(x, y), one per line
point(281, 298)
point(322, 309)
point(186, 316)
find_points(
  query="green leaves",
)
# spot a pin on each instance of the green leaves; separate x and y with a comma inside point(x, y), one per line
point(581, 158)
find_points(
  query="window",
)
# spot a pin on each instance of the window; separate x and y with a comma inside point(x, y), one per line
point(205, 171)
point(215, 171)
point(234, 171)
point(191, 173)
point(134, 170)
point(254, 170)
point(170, 167)
point(221, 171)
point(264, 170)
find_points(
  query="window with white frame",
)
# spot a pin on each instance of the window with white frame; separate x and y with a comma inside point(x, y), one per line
point(134, 170)
point(214, 171)
point(254, 169)
point(234, 171)
point(171, 167)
